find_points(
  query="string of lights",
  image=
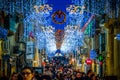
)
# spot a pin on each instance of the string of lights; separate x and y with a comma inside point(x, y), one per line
point(37, 20)
point(38, 23)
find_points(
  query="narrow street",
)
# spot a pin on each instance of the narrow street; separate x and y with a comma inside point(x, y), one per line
point(60, 39)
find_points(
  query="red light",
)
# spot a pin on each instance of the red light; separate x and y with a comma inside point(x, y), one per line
point(101, 63)
point(89, 61)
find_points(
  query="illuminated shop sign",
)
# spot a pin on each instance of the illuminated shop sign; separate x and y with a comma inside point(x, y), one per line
point(89, 61)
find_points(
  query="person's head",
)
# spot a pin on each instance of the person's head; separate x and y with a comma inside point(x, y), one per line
point(65, 76)
point(83, 74)
point(78, 74)
point(27, 73)
point(14, 76)
point(89, 73)
point(93, 77)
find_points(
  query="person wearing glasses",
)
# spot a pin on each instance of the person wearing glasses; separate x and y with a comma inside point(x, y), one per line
point(27, 73)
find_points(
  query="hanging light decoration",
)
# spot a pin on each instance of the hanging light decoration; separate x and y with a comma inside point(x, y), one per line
point(76, 14)
point(73, 36)
point(73, 9)
point(81, 14)
point(37, 21)
point(38, 26)
point(72, 39)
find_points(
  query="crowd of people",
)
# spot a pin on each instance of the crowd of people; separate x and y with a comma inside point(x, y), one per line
point(52, 73)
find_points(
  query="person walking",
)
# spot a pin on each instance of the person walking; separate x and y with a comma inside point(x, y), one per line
point(14, 76)
point(89, 73)
point(78, 76)
point(27, 73)
point(93, 77)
